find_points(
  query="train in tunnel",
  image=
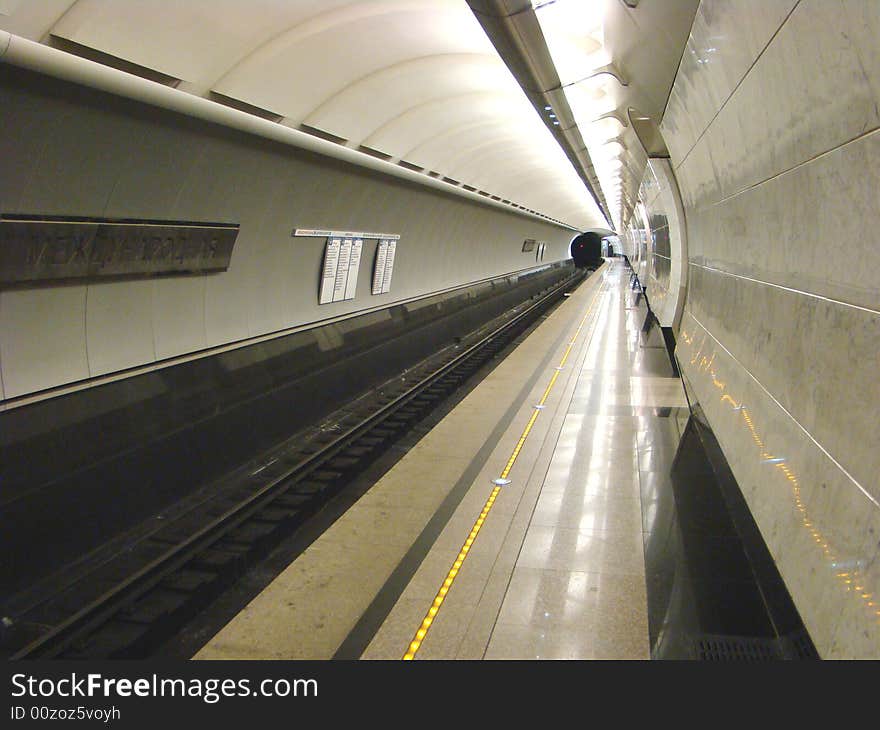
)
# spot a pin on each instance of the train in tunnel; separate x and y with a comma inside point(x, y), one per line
point(586, 250)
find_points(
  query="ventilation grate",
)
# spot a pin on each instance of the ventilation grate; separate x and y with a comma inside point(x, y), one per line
point(315, 132)
point(799, 646)
point(374, 153)
point(410, 166)
point(106, 59)
point(243, 106)
point(736, 648)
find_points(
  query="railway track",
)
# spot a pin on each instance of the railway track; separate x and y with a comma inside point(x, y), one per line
point(127, 606)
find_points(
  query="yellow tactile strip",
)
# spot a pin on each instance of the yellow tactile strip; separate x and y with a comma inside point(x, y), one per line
point(425, 626)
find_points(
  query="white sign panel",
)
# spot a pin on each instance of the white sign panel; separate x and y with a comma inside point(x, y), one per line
point(328, 273)
point(342, 260)
point(324, 233)
point(342, 270)
point(379, 267)
point(389, 267)
point(354, 263)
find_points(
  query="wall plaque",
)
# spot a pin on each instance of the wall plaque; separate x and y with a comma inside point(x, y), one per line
point(44, 248)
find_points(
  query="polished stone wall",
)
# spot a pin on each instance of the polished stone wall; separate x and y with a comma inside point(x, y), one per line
point(773, 126)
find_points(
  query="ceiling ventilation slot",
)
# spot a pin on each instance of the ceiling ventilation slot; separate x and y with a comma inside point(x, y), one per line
point(432, 173)
point(451, 181)
point(410, 166)
point(105, 59)
point(315, 132)
point(374, 153)
point(471, 188)
point(483, 192)
point(243, 106)
point(495, 197)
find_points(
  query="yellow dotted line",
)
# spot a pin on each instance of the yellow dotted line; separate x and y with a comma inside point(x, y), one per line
point(422, 631)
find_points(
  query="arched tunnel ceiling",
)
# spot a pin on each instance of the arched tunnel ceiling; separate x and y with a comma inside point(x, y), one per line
point(641, 43)
point(416, 80)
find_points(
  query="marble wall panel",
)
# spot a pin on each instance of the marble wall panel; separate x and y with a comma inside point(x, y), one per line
point(677, 127)
point(119, 326)
point(820, 524)
point(817, 357)
point(178, 309)
point(775, 146)
point(807, 93)
point(726, 38)
point(812, 228)
point(43, 338)
point(697, 179)
point(863, 29)
point(649, 188)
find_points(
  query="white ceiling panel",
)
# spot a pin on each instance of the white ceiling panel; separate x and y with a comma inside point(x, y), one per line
point(298, 69)
point(31, 19)
point(425, 121)
point(407, 85)
point(197, 41)
point(415, 79)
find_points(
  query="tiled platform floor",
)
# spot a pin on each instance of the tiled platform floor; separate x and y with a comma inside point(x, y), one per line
point(557, 569)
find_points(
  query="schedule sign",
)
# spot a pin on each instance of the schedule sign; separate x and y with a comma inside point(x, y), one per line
point(330, 269)
point(384, 265)
point(342, 260)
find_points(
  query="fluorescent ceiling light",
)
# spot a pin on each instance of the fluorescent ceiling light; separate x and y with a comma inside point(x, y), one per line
point(575, 35)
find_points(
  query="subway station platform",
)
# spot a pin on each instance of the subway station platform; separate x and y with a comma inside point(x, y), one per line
point(515, 528)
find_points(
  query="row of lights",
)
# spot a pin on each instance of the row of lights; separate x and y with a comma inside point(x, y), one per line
point(574, 31)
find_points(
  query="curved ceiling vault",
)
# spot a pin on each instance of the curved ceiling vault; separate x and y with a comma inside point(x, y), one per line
point(417, 80)
point(611, 56)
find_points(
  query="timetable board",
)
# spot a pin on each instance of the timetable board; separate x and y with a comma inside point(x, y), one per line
point(328, 272)
point(354, 264)
point(339, 274)
point(342, 258)
point(383, 267)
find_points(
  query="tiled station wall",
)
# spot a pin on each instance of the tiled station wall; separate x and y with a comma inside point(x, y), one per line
point(772, 128)
point(68, 150)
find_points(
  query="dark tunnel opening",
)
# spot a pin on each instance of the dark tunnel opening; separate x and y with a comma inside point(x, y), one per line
point(586, 250)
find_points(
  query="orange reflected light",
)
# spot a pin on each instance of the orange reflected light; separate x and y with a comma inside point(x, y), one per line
point(846, 578)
